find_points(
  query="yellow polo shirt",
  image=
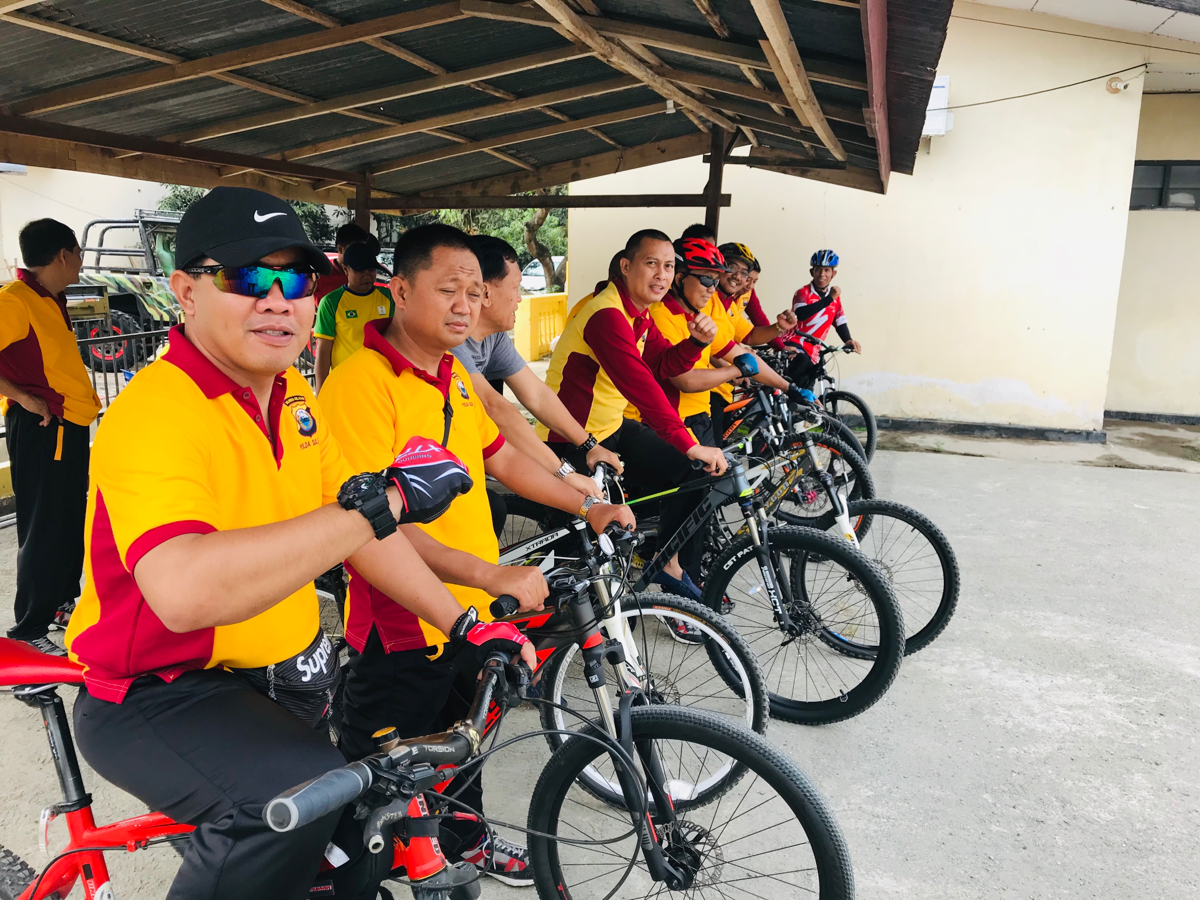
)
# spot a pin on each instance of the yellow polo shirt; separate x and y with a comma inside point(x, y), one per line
point(343, 315)
point(742, 326)
point(671, 319)
point(38, 352)
point(186, 450)
point(376, 401)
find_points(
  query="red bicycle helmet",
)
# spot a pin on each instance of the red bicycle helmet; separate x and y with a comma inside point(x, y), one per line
point(697, 253)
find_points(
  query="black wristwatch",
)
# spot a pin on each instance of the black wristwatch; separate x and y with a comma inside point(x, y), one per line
point(368, 494)
point(587, 445)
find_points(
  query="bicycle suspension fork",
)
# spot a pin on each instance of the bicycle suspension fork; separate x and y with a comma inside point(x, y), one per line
point(841, 512)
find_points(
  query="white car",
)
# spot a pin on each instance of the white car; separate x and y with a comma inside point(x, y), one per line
point(533, 279)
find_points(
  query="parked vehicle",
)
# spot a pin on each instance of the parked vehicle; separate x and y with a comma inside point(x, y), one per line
point(533, 279)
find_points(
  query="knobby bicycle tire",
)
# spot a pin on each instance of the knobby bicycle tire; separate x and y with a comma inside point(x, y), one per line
point(924, 619)
point(728, 656)
point(766, 769)
point(822, 684)
point(835, 403)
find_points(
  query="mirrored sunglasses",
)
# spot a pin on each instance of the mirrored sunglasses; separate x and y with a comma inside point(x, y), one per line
point(257, 281)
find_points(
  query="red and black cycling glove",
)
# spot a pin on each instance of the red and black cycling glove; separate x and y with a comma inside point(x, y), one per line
point(428, 477)
point(472, 641)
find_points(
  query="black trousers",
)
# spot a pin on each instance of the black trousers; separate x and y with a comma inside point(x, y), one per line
point(652, 465)
point(417, 696)
point(717, 405)
point(802, 371)
point(49, 466)
point(209, 750)
point(702, 427)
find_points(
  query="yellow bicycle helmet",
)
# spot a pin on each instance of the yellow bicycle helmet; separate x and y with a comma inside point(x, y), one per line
point(734, 249)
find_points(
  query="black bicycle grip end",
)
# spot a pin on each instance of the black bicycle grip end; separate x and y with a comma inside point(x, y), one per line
point(305, 803)
point(504, 605)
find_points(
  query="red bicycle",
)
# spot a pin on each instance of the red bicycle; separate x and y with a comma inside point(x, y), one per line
point(639, 799)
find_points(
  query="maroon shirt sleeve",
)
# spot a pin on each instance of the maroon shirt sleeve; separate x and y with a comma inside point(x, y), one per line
point(754, 311)
point(611, 339)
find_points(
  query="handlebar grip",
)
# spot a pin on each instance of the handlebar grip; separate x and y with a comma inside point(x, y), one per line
point(298, 806)
point(504, 605)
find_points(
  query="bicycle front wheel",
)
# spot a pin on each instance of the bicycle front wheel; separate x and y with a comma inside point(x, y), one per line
point(807, 500)
point(704, 665)
point(769, 831)
point(832, 595)
point(853, 411)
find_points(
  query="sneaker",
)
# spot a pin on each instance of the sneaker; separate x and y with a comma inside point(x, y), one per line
point(62, 617)
point(683, 631)
point(46, 645)
point(502, 859)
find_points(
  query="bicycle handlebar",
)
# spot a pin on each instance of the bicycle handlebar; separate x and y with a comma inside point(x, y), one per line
point(504, 605)
point(305, 803)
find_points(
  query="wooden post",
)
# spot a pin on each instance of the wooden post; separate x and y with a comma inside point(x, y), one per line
point(362, 203)
point(712, 190)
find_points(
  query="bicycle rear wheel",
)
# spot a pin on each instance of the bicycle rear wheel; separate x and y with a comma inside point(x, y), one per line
point(917, 560)
point(807, 500)
point(673, 672)
point(770, 827)
point(836, 593)
point(853, 411)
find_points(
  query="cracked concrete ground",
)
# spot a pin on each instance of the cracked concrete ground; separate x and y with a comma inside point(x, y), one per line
point(1044, 747)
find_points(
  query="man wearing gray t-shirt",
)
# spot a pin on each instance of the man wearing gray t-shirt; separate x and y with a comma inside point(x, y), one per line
point(489, 355)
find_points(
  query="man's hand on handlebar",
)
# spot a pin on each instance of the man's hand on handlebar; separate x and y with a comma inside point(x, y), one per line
point(600, 454)
point(855, 346)
point(602, 514)
point(713, 459)
point(472, 641)
point(526, 583)
point(584, 485)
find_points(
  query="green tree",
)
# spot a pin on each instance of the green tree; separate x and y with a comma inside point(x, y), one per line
point(313, 216)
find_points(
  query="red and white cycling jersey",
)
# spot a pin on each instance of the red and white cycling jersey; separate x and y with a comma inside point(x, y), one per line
point(816, 324)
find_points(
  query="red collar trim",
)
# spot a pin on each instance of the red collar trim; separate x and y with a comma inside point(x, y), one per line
point(726, 301)
point(373, 339)
point(214, 383)
point(674, 306)
point(30, 279)
point(627, 300)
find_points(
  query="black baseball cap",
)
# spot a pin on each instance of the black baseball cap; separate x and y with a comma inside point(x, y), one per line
point(239, 226)
point(360, 257)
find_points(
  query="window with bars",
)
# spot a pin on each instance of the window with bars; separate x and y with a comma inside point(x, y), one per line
point(1173, 184)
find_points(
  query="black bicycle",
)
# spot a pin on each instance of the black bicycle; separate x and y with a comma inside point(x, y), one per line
point(690, 801)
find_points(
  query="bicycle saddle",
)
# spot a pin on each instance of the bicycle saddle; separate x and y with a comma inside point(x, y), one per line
point(23, 664)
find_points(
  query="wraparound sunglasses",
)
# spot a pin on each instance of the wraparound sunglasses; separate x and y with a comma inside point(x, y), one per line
point(257, 281)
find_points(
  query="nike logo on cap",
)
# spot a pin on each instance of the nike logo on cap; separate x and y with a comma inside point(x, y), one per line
point(258, 218)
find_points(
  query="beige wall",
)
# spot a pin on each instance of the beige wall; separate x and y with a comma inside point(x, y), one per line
point(1156, 346)
point(984, 287)
point(74, 198)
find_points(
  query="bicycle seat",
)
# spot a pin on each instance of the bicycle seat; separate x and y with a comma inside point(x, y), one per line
point(23, 664)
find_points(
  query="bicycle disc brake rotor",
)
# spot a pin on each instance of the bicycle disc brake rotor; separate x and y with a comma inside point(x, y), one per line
point(695, 852)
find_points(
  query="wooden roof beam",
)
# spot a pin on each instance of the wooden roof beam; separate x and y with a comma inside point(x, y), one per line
point(780, 49)
point(504, 140)
point(379, 95)
point(584, 167)
point(622, 59)
point(466, 115)
point(731, 52)
point(714, 19)
point(235, 59)
point(873, 14)
point(559, 201)
point(134, 144)
point(738, 89)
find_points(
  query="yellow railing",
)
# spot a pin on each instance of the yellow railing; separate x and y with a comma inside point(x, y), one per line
point(540, 319)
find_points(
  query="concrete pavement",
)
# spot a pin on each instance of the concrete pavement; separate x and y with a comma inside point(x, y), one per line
point(1044, 747)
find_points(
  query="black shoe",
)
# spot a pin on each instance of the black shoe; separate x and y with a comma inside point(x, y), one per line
point(46, 645)
point(502, 859)
point(62, 617)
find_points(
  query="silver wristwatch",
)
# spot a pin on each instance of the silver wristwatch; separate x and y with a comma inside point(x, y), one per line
point(564, 470)
point(588, 502)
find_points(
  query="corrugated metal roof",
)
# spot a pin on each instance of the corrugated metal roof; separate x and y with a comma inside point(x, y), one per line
point(195, 28)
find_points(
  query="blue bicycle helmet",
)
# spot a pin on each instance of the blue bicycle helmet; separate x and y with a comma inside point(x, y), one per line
point(823, 258)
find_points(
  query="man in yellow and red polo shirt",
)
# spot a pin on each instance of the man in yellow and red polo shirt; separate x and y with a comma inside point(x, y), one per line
point(611, 355)
point(403, 385)
point(48, 404)
point(217, 496)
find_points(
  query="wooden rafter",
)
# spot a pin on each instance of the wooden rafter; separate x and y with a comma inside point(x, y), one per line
point(415, 202)
point(713, 18)
point(789, 69)
point(875, 37)
point(584, 167)
point(14, 5)
point(732, 52)
point(620, 58)
point(460, 117)
point(134, 144)
point(236, 59)
point(504, 140)
point(379, 95)
point(749, 92)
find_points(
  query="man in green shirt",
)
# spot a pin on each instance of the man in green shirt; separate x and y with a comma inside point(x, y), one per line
point(345, 311)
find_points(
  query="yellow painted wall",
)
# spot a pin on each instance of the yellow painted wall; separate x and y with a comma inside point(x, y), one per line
point(1156, 346)
point(984, 287)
